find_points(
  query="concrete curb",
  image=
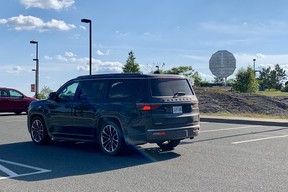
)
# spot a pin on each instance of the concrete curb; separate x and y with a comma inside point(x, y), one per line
point(245, 120)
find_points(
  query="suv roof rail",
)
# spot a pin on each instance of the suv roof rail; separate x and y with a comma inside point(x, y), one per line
point(110, 75)
point(124, 75)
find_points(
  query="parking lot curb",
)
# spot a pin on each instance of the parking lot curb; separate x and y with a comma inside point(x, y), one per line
point(245, 120)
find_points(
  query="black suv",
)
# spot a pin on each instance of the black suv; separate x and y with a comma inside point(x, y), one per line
point(118, 110)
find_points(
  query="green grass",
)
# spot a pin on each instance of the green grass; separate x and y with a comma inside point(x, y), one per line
point(272, 93)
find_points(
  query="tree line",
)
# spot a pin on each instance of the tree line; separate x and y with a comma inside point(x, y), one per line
point(269, 78)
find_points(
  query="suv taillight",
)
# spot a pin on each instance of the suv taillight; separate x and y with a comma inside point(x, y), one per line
point(148, 107)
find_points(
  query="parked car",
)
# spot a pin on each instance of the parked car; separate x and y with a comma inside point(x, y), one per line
point(12, 100)
point(118, 110)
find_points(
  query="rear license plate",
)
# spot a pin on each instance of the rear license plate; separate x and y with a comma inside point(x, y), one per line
point(177, 109)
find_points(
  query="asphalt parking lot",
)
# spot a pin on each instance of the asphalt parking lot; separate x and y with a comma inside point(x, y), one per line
point(231, 156)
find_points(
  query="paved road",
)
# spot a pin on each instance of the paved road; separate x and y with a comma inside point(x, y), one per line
point(224, 157)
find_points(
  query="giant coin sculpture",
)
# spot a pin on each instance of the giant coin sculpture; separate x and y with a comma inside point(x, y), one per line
point(222, 64)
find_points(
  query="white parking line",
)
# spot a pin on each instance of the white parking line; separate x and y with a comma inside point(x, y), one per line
point(229, 129)
point(20, 120)
point(12, 174)
point(260, 139)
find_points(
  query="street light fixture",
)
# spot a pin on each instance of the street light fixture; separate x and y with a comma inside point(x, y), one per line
point(37, 69)
point(254, 66)
point(90, 44)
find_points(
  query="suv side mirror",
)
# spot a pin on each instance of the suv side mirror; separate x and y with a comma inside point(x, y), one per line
point(52, 96)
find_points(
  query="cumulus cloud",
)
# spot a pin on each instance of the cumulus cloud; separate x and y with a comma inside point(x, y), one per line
point(22, 22)
point(82, 64)
point(99, 66)
point(47, 4)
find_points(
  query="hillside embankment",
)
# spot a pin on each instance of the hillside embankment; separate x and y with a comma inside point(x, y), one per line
point(221, 100)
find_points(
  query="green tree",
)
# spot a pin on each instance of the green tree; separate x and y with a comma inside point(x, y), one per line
point(131, 66)
point(264, 78)
point(187, 71)
point(245, 81)
point(272, 78)
point(280, 76)
point(44, 93)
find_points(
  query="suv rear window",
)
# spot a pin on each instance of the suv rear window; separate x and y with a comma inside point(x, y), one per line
point(170, 87)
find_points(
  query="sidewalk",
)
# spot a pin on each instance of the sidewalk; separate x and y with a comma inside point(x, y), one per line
point(245, 120)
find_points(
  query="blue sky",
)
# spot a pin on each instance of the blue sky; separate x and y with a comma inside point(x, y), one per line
point(174, 32)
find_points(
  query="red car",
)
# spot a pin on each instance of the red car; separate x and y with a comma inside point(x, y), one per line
point(12, 100)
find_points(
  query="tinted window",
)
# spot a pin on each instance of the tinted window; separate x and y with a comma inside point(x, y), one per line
point(68, 92)
point(123, 88)
point(169, 87)
point(92, 90)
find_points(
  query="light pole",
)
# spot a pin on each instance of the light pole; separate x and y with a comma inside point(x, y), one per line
point(90, 44)
point(254, 67)
point(37, 69)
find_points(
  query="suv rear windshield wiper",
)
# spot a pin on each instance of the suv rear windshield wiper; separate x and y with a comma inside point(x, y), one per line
point(179, 94)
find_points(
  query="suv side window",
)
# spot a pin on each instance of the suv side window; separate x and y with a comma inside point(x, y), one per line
point(92, 90)
point(123, 88)
point(68, 92)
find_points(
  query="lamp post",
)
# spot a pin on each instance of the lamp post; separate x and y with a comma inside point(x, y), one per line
point(254, 66)
point(37, 69)
point(90, 44)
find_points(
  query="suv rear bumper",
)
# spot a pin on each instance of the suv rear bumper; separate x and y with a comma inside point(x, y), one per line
point(158, 135)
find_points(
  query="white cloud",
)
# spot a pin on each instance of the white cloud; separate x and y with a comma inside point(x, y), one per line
point(98, 52)
point(47, 57)
point(99, 66)
point(61, 58)
point(83, 27)
point(69, 54)
point(260, 56)
point(82, 64)
point(16, 69)
point(121, 34)
point(47, 4)
point(22, 22)
point(3, 21)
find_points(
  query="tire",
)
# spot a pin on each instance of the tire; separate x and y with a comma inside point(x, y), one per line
point(111, 139)
point(38, 132)
point(168, 145)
